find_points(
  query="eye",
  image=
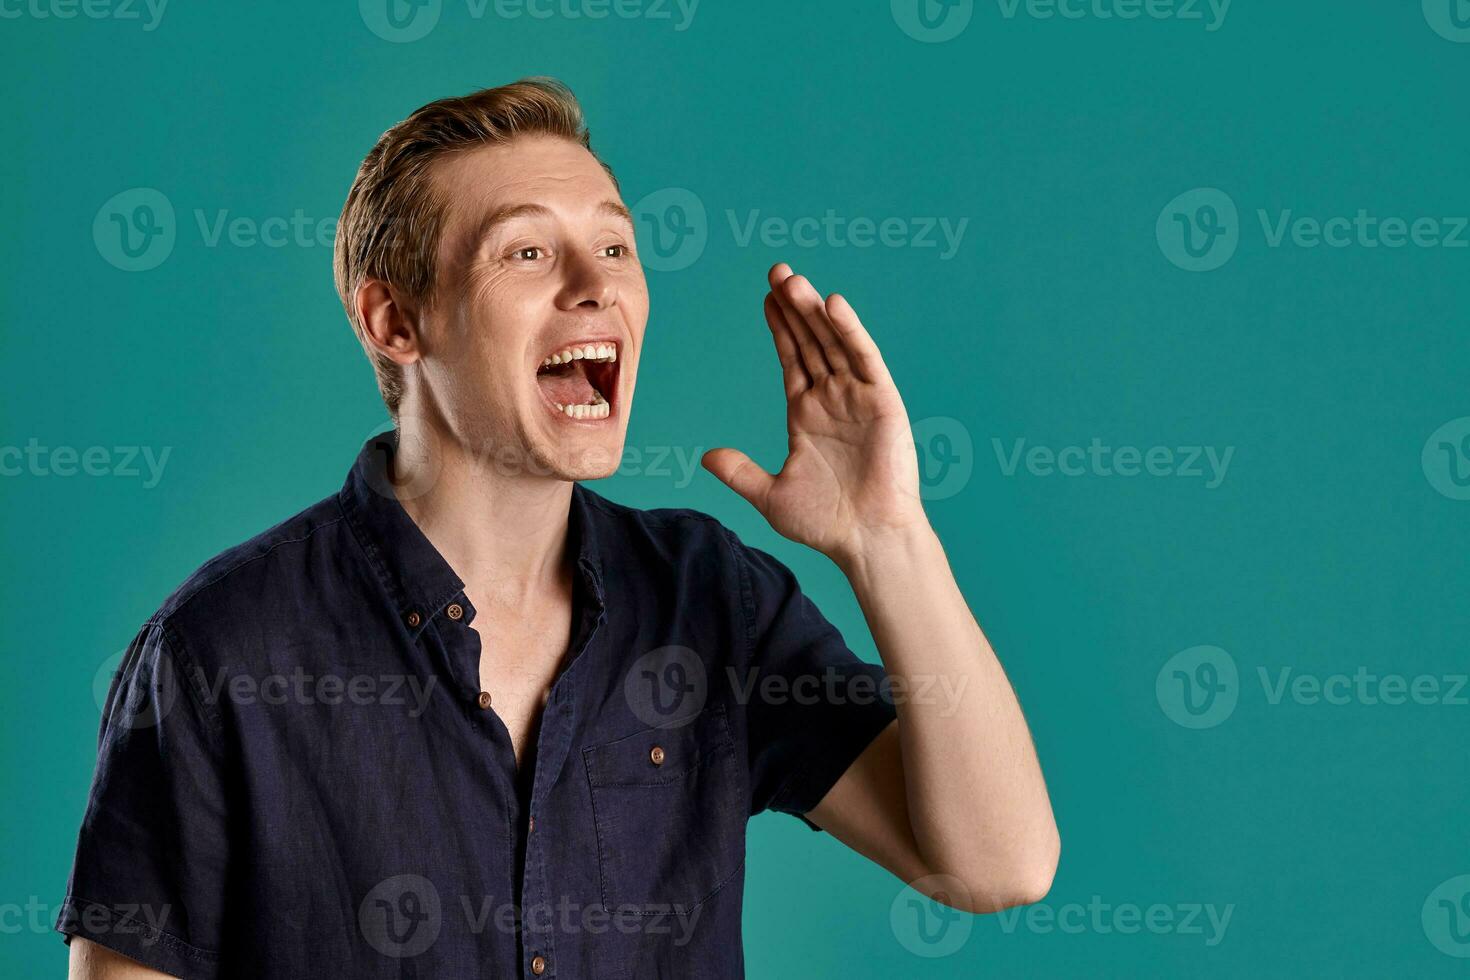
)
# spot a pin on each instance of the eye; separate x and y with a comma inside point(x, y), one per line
point(528, 253)
point(618, 251)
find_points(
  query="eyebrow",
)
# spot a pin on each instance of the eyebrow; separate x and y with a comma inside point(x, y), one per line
point(509, 212)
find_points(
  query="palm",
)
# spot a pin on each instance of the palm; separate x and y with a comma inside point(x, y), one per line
point(851, 467)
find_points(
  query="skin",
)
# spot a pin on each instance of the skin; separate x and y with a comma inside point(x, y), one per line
point(950, 797)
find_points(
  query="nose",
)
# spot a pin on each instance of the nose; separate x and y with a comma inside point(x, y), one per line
point(587, 286)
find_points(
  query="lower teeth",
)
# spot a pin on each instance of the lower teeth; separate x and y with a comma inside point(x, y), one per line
point(599, 409)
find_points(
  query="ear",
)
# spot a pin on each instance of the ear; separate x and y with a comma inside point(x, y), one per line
point(388, 321)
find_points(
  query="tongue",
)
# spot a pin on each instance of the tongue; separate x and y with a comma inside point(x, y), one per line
point(567, 385)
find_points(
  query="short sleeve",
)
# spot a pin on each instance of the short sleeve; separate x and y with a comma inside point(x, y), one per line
point(812, 706)
point(148, 879)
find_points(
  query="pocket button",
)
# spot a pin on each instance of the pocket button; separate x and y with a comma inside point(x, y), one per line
point(657, 755)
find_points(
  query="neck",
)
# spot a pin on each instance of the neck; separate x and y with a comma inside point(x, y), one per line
point(505, 535)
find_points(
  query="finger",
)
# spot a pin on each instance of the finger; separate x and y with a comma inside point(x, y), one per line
point(862, 352)
point(792, 373)
point(812, 357)
point(804, 297)
point(778, 274)
point(740, 473)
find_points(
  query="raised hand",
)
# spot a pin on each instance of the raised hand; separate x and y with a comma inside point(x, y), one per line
point(851, 475)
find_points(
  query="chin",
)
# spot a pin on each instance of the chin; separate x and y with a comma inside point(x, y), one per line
point(578, 459)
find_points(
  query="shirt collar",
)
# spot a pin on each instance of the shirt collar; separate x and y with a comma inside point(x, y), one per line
point(418, 579)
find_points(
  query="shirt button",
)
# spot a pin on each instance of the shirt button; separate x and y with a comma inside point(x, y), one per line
point(455, 610)
point(414, 619)
point(657, 755)
point(531, 825)
point(484, 699)
point(538, 964)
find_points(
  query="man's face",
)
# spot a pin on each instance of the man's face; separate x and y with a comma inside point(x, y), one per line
point(530, 346)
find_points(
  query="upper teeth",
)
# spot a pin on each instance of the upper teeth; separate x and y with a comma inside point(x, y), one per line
point(586, 352)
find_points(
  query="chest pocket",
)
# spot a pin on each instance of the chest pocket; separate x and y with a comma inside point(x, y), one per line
point(667, 809)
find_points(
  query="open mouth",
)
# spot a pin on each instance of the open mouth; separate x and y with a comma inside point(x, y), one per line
point(580, 381)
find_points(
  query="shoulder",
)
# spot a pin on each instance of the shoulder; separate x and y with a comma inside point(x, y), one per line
point(678, 536)
point(667, 530)
point(671, 533)
point(267, 568)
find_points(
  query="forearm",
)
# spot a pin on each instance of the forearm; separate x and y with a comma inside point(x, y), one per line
point(977, 802)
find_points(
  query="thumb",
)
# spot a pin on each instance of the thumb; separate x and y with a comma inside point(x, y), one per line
point(740, 473)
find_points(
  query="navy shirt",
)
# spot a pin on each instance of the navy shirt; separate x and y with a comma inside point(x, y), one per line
point(299, 776)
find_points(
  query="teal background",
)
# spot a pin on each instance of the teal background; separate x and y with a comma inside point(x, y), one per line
point(1325, 549)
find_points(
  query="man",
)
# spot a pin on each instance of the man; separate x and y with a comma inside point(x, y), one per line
point(467, 718)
